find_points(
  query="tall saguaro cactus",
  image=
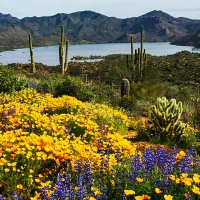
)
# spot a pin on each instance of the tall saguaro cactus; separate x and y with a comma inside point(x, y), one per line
point(31, 54)
point(61, 50)
point(132, 57)
point(132, 50)
point(63, 42)
point(141, 47)
point(140, 58)
point(66, 54)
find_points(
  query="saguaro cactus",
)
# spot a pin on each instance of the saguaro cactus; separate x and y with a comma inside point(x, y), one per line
point(63, 42)
point(31, 54)
point(132, 60)
point(66, 55)
point(165, 116)
point(61, 50)
point(140, 59)
point(141, 46)
point(125, 87)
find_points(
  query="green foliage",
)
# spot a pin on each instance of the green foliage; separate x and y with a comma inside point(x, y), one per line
point(48, 83)
point(11, 82)
point(74, 87)
point(128, 103)
point(165, 117)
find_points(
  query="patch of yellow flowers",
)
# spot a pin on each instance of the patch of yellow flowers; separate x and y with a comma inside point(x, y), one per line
point(41, 134)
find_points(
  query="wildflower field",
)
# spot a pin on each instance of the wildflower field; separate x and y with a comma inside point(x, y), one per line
point(62, 148)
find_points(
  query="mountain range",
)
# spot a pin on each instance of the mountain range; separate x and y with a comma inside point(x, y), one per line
point(91, 27)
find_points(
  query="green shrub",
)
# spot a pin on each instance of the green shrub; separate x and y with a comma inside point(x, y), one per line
point(128, 103)
point(49, 83)
point(11, 82)
point(74, 87)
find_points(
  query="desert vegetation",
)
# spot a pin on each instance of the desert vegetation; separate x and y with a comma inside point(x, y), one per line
point(70, 136)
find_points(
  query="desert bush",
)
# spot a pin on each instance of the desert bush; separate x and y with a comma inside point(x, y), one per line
point(74, 87)
point(11, 81)
point(128, 103)
point(49, 83)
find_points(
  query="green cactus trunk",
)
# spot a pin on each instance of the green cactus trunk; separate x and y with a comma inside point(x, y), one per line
point(61, 50)
point(66, 55)
point(127, 61)
point(132, 60)
point(132, 57)
point(141, 50)
point(125, 87)
point(140, 60)
point(31, 54)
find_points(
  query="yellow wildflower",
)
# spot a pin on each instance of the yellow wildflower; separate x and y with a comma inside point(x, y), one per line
point(168, 197)
point(129, 192)
point(92, 198)
point(7, 169)
point(143, 197)
point(172, 177)
point(139, 180)
point(195, 190)
point(158, 191)
point(184, 175)
point(20, 186)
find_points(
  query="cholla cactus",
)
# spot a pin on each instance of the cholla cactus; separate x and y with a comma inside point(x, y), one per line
point(165, 116)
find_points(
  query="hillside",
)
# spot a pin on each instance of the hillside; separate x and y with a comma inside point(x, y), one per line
point(189, 40)
point(92, 27)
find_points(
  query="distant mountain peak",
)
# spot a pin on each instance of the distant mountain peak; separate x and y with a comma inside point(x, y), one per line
point(158, 13)
point(5, 15)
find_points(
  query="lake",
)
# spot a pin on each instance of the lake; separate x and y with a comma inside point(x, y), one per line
point(50, 55)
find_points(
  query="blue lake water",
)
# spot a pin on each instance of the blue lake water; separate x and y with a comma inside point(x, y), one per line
point(50, 55)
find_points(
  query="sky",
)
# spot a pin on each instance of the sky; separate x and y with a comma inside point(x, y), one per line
point(111, 8)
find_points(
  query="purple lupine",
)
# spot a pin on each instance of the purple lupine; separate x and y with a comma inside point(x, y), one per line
point(52, 196)
point(105, 193)
point(161, 157)
point(80, 187)
point(192, 151)
point(69, 185)
point(78, 167)
point(107, 161)
point(4, 115)
point(1, 197)
point(148, 160)
point(15, 195)
point(43, 194)
point(69, 130)
point(117, 154)
point(118, 180)
point(49, 111)
point(168, 168)
point(60, 191)
point(124, 197)
point(185, 164)
point(88, 175)
point(136, 166)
